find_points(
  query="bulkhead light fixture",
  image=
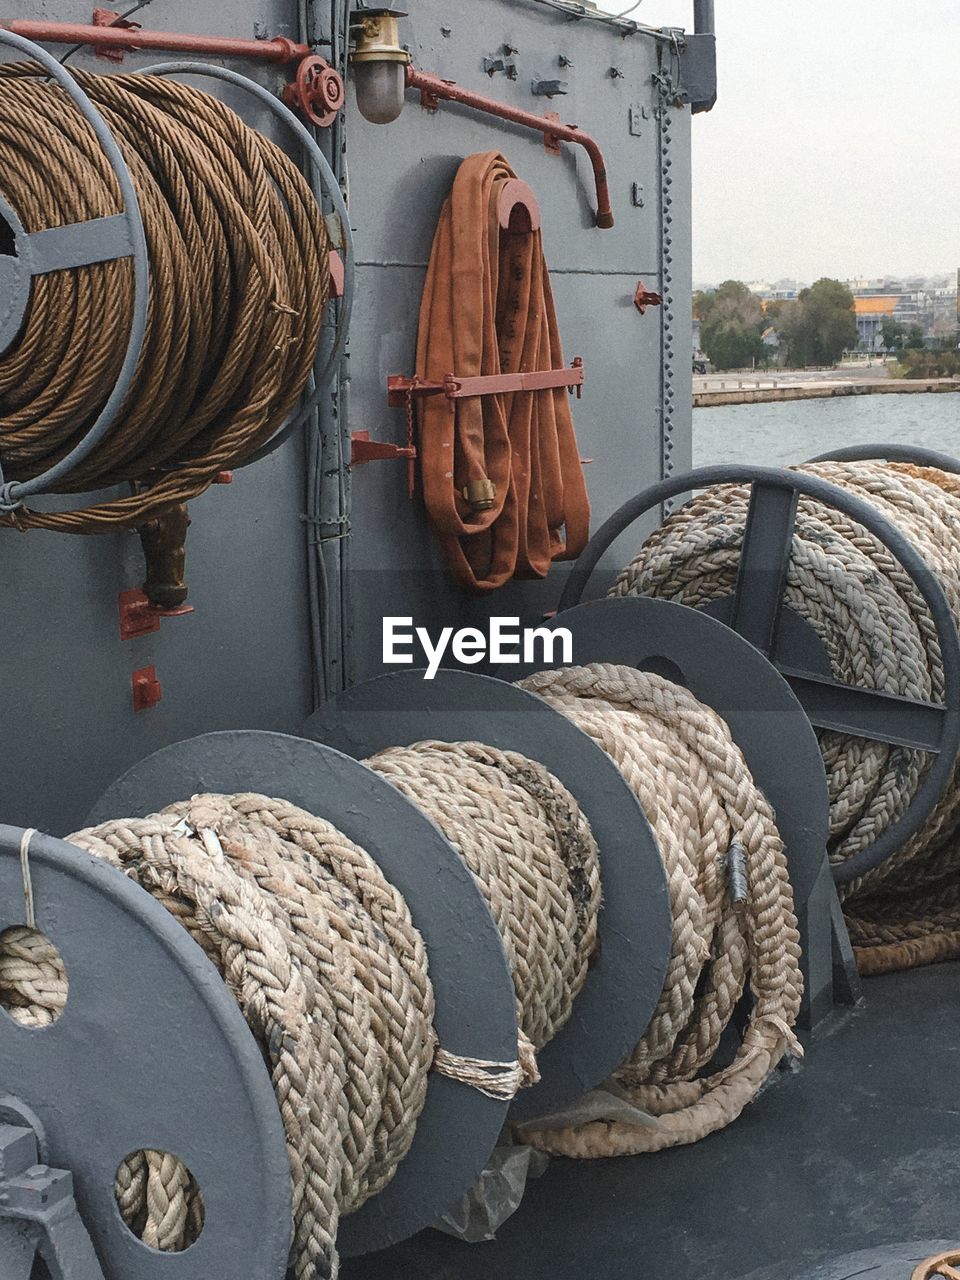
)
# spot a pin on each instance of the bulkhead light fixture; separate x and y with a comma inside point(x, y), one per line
point(379, 64)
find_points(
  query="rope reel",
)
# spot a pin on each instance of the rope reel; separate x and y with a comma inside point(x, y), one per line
point(842, 573)
point(257, 879)
point(97, 389)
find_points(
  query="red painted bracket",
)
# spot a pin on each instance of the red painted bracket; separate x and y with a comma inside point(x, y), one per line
point(643, 298)
point(110, 18)
point(338, 275)
point(146, 688)
point(138, 617)
point(363, 449)
point(401, 388)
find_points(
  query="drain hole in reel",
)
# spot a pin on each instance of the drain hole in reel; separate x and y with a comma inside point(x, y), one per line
point(160, 1201)
point(661, 666)
point(33, 977)
point(8, 242)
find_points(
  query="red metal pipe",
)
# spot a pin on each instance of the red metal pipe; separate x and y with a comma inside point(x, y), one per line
point(126, 39)
point(433, 89)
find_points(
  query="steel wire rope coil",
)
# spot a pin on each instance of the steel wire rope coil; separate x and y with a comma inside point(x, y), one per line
point(878, 633)
point(332, 975)
point(239, 256)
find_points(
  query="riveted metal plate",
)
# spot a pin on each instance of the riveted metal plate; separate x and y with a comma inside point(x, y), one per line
point(475, 1013)
point(624, 983)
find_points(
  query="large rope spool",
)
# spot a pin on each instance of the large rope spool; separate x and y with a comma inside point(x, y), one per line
point(833, 598)
point(237, 251)
point(327, 963)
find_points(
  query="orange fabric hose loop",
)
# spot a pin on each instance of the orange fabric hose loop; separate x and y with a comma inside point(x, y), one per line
point(488, 309)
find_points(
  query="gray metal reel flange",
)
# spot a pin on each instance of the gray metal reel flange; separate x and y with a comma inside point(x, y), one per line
point(614, 1007)
point(892, 453)
point(150, 1052)
point(63, 248)
point(757, 612)
point(727, 673)
point(475, 1002)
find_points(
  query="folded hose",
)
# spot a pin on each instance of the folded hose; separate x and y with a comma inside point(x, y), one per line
point(502, 479)
point(239, 279)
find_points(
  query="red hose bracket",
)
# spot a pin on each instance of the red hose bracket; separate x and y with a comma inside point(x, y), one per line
point(400, 389)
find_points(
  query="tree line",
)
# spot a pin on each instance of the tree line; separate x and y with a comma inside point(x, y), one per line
point(815, 328)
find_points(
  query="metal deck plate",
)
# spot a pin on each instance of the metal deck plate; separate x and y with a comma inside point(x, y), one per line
point(624, 983)
point(151, 1052)
point(475, 1012)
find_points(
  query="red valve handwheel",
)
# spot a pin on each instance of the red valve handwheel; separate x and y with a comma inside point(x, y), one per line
point(318, 91)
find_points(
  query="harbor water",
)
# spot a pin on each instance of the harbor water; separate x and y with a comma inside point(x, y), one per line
point(782, 434)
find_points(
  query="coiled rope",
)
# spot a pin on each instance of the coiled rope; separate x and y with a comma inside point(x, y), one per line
point(331, 974)
point(239, 279)
point(878, 634)
point(704, 808)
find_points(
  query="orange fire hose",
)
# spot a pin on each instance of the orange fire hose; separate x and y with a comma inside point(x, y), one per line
point(502, 478)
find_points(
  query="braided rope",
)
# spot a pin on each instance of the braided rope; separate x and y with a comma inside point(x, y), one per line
point(698, 795)
point(239, 279)
point(529, 847)
point(327, 967)
point(330, 973)
point(878, 634)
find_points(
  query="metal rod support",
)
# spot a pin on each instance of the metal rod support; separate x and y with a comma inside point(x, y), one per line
point(129, 39)
point(434, 89)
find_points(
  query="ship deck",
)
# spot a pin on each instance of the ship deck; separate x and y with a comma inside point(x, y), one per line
point(859, 1148)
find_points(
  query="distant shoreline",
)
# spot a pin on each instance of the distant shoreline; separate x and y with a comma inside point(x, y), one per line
point(822, 391)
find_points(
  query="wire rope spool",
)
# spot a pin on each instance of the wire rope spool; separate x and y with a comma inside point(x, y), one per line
point(239, 259)
point(82, 243)
point(756, 610)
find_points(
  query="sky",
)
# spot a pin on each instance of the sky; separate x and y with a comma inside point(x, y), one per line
point(834, 147)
